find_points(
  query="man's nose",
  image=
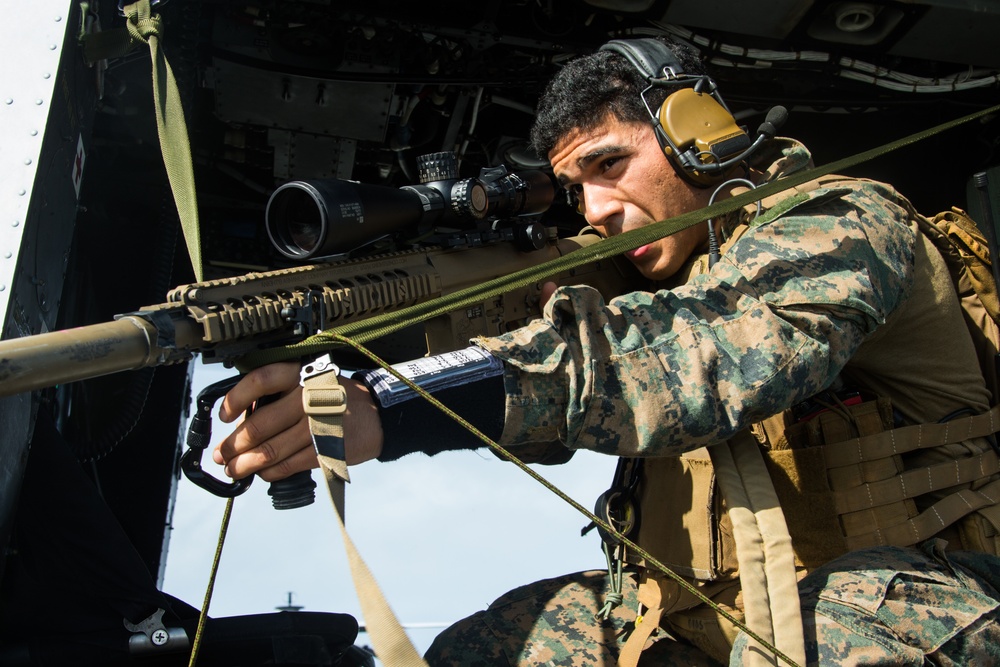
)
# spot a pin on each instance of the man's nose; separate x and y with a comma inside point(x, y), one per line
point(602, 211)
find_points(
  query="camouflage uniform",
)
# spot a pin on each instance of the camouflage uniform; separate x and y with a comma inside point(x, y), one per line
point(885, 606)
point(552, 622)
point(659, 374)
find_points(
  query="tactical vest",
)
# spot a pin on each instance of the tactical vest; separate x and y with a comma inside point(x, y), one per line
point(847, 471)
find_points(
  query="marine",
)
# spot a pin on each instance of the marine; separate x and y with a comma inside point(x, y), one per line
point(794, 437)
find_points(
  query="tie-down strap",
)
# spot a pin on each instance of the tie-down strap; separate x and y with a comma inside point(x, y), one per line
point(325, 403)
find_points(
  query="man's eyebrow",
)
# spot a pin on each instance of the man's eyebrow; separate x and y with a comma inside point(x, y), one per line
point(584, 160)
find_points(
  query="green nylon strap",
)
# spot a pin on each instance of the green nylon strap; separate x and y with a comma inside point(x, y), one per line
point(203, 616)
point(142, 26)
point(364, 331)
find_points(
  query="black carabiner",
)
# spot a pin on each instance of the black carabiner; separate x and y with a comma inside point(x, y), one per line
point(199, 437)
point(617, 506)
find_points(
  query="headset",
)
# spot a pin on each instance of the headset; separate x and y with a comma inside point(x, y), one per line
point(695, 129)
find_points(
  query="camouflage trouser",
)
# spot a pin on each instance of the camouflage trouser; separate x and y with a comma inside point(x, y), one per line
point(551, 622)
point(881, 606)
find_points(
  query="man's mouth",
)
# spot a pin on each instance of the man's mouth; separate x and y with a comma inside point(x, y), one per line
point(637, 253)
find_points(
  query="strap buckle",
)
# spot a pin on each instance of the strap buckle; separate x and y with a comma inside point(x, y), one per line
point(322, 394)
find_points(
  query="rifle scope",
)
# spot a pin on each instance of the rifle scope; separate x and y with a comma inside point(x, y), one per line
point(318, 218)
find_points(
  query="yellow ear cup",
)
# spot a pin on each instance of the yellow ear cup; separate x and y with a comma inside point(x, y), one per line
point(702, 131)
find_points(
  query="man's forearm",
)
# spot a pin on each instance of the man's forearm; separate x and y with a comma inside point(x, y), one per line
point(415, 425)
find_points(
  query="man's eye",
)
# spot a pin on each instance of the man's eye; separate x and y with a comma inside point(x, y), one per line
point(610, 162)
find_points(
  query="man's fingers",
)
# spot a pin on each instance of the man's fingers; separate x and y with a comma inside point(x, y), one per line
point(265, 423)
point(248, 451)
point(264, 381)
point(304, 459)
point(274, 441)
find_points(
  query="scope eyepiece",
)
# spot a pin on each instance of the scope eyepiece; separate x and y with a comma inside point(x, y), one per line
point(498, 194)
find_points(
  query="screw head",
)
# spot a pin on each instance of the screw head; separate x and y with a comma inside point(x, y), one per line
point(159, 637)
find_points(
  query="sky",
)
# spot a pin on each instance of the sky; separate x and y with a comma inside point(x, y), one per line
point(444, 536)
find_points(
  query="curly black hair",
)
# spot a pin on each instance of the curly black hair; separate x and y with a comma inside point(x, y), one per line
point(588, 88)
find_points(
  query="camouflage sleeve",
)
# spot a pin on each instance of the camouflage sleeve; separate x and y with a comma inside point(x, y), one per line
point(657, 374)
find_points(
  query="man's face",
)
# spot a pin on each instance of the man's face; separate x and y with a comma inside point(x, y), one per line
point(623, 181)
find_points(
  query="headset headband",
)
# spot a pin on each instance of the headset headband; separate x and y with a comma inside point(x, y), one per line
point(648, 55)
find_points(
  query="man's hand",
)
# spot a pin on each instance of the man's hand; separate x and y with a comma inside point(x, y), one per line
point(274, 442)
point(547, 290)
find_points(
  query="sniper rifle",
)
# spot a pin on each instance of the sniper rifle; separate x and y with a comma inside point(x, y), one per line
point(481, 229)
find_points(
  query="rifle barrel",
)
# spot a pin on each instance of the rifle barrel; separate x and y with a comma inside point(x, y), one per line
point(57, 357)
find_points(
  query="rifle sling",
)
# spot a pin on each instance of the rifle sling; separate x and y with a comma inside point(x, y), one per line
point(324, 401)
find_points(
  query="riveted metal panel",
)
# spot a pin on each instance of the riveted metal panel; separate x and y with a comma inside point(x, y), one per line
point(33, 42)
point(41, 167)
